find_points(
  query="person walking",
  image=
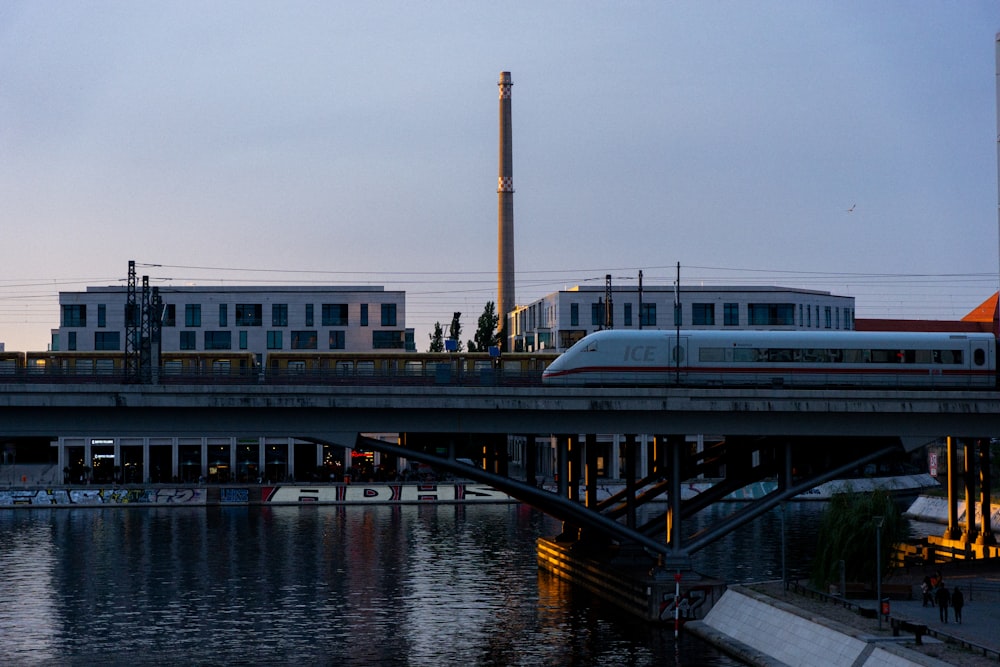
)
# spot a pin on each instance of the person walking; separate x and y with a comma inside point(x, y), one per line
point(943, 600)
point(957, 602)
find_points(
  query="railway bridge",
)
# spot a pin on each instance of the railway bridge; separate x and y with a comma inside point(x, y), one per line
point(802, 437)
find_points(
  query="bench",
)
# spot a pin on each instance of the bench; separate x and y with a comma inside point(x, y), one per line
point(918, 629)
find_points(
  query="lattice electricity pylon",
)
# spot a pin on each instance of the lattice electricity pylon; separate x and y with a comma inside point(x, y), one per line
point(132, 317)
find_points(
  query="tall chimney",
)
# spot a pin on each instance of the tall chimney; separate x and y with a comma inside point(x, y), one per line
point(505, 212)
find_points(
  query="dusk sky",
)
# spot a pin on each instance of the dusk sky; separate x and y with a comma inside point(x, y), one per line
point(843, 146)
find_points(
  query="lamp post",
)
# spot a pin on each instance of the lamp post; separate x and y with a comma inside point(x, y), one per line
point(879, 521)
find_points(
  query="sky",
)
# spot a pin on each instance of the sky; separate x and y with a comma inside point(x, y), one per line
point(848, 146)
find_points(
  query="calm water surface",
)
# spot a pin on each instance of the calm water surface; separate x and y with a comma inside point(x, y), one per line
point(393, 585)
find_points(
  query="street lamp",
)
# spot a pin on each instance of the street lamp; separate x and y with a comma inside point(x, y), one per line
point(879, 521)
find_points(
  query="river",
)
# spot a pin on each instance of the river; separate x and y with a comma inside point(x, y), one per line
point(328, 585)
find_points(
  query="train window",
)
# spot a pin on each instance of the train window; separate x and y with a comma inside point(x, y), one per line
point(979, 356)
point(366, 368)
point(857, 356)
point(948, 356)
point(712, 354)
point(781, 354)
point(922, 356)
point(296, 367)
point(592, 346)
point(744, 354)
point(677, 354)
point(884, 356)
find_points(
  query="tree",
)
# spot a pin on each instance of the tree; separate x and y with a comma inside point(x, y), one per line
point(437, 339)
point(487, 335)
point(847, 533)
point(455, 332)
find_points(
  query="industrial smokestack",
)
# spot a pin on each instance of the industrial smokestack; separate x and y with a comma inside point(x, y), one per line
point(505, 212)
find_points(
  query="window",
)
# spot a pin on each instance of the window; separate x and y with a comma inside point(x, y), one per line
point(304, 340)
point(703, 314)
point(337, 340)
point(249, 314)
point(309, 314)
point(107, 340)
point(388, 315)
point(223, 314)
point(102, 316)
point(169, 317)
point(243, 340)
point(731, 314)
point(771, 314)
point(828, 317)
point(192, 315)
point(364, 315)
point(279, 315)
point(597, 314)
point(387, 340)
point(574, 314)
point(188, 340)
point(70, 340)
point(218, 340)
point(647, 315)
point(74, 316)
point(334, 315)
point(274, 340)
point(628, 314)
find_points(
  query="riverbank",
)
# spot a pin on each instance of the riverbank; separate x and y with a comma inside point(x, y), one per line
point(764, 624)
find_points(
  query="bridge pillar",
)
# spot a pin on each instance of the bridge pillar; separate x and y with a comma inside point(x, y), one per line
point(986, 536)
point(530, 460)
point(969, 481)
point(952, 530)
point(678, 558)
point(590, 470)
point(631, 459)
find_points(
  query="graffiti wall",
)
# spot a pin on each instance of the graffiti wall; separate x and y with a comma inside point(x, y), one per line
point(384, 493)
point(97, 496)
point(340, 494)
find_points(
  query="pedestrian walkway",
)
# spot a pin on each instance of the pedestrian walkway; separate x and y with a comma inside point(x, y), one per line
point(980, 624)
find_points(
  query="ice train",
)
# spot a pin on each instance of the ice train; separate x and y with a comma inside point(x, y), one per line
point(777, 358)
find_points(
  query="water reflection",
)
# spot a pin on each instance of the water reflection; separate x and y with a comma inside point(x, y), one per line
point(406, 585)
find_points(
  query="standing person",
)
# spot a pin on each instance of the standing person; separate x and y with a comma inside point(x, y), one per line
point(943, 600)
point(957, 602)
point(925, 589)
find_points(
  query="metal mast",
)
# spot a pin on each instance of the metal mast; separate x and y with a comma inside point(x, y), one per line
point(132, 317)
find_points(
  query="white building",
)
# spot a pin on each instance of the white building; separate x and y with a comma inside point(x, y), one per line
point(558, 320)
point(255, 319)
point(251, 319)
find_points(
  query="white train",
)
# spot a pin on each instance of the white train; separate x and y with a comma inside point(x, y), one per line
point(777, 358)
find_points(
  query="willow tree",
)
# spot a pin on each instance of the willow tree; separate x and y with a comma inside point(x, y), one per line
point(847, 533)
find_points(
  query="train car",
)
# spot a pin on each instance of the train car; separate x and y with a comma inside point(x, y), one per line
point(105, 365)
point(395, 367)
point(777, 358)
point(11, 363)
point(193, 365)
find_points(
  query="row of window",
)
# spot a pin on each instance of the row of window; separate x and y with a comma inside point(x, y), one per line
point(223, 340)
point(833, 356)
point(703, 314)
point(245, 315)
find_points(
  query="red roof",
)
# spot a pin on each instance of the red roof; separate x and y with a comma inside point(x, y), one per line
point(982, 319)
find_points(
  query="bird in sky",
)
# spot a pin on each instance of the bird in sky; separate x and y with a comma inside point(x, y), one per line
point(851, 210)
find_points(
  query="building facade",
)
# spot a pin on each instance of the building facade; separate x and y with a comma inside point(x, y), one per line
point(558, 320)
point(254, 319)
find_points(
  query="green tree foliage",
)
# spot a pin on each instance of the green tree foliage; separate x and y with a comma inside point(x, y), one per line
point(455, 331)
point(487, 335)
point(847, 532)
point(437, 339)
